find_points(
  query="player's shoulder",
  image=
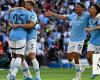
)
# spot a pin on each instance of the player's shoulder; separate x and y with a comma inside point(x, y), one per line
point(26, 12)
point(86, 13)
point(33, 13)
point(70, 16)
point(73, 14)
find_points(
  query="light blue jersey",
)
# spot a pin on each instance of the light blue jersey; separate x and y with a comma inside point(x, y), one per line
point(19, 16)
point(95, 35)
point(32, 33)
point(78, 23)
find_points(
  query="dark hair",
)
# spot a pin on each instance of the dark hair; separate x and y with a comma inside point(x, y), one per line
point(97, 7)
point(81, 4)
point(21, 3)
point(31, 3)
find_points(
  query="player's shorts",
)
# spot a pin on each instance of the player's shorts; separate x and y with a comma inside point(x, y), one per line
point(18, 47)
point(31, 46)
point(75, 47)
point(92, 47)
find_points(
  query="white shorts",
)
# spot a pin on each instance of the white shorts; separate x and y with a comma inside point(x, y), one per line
point(75, 46)
point(31, 46)
point(92, 47)
point(18, 47)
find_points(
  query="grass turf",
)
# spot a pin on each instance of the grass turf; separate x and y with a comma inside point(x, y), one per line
point(53, 74)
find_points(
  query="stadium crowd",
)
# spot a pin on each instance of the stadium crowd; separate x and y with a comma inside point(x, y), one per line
point(53, 33)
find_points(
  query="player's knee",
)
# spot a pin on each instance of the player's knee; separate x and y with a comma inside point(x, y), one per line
point(18, 62)
point(89, 54)
point(20, 56)
point(13, 55)
point(68, 55)
point(69, 58)
point(32, 56)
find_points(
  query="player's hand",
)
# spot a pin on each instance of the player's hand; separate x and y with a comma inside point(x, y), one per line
point(98, 16)
point(89, 29)
point(48, 13)
point(9, 23)
point(15, 26)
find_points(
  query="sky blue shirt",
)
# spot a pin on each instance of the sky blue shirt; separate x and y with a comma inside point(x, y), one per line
point(32, 33)
point(95, 35)
point(78, 23)
point(19, 16)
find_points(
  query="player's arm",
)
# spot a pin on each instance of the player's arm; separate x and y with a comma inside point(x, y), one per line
point(26, 26)
point(49, 13)
point(96, 27)
point(93, 28)
point(32, 22)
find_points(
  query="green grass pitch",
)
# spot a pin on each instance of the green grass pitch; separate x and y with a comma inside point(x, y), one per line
point(53, 74)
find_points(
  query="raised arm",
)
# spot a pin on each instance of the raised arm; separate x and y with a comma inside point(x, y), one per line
point(49, 13)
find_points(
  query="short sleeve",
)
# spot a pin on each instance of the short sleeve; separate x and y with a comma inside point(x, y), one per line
point(33, 17)
point(70, 16)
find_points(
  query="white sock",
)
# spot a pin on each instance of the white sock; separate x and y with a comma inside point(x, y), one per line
point(16, 66)
point(12, 65)
point(25, 69)
point(78, 67)
point(36, 67)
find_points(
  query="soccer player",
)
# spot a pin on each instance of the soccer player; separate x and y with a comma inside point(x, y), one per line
point(94, 25)
point(78, 21)
point(31, 41)
point(18, 38)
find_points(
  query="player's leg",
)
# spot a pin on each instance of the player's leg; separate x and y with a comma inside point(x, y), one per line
point(70, 57)
point(11, 65)
point(89, 57)
point(78, 67)
point(90, 51)
point(70, 53)
point(31, 44)
point(26, 71)
point(20, 49)
point(13, 55)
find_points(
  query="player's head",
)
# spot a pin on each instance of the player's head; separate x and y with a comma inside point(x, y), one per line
point(29, 4)
point(79, 8)
point(94, 10)
point(21, 3)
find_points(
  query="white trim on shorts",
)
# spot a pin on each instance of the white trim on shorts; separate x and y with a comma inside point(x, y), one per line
point(18, 47)
point(75, 46)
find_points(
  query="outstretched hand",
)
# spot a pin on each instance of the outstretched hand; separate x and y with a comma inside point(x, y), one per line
point(48, 13)
point(89, 29)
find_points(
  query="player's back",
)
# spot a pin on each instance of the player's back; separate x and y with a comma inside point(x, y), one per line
point(19, 16)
